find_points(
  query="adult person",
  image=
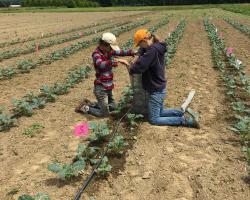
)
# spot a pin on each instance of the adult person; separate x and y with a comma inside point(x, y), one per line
point(151, 64)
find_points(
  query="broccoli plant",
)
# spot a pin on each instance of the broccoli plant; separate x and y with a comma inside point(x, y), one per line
point(84, 155)
point(99, 132)
point(67, 171)
point(7, 73)
point(35, 101)
point(60, 88)
point(239, 106)
point(87, 153)
point(104, 167)
point(117, 144)
point(242, 125)
point(25, 65)
point(22, 108)
point(132, 119)
point(33, 130)
point(48, 93)
point(6, 122)
point(38, 196)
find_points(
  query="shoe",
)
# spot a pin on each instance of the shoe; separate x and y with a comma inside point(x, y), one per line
point(192, 123)
point(78, 109)
point(85, 109)
point(193, 114)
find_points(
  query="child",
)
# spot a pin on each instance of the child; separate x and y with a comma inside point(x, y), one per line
point(104, 61)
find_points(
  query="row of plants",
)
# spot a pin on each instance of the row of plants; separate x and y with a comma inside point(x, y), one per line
point(173, 41)
point(236, 82)
point(47, 35)
point(30, 102)
point(242, 28)
point(25, 66)
point(51, 34)
point(42, 45)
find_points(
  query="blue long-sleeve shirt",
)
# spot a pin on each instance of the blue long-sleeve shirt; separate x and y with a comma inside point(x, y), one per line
point(152, 66)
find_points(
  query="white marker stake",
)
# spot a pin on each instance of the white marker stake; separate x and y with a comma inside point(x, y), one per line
point(188, 100)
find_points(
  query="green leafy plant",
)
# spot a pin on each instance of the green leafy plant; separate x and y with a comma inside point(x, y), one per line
point(6, 122)
point(22, 108)
point(239, 106)
point(67, 171)
point(35, 101)
point(87, 153)
point(12, 192)
point(38, 196)
point(242, 126)
point(48, 93)
point(33, 130)
point(244, 29)
point(7, 73)
point(173, 41)
point(24, 66)
point(99, 132)
point(132, 119)
point(104, 167)
point(117, 144)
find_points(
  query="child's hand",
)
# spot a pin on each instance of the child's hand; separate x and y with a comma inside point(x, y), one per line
point(124, 62)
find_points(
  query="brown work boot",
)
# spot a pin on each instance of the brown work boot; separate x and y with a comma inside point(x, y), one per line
point(84, 102)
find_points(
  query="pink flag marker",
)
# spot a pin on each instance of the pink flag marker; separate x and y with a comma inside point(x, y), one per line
point(221, 34)
point(80, 34)
point(229, 51)
point(37, 48)
point(81, 130)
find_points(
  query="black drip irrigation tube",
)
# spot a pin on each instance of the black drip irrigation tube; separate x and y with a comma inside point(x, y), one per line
point(94, 171)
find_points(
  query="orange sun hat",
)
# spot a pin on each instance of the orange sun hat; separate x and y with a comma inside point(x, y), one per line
point(140, 35)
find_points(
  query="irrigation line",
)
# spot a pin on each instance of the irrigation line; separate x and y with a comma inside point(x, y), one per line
point(94, 171)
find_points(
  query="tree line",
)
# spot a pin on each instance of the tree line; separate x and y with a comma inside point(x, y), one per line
point(95, 3)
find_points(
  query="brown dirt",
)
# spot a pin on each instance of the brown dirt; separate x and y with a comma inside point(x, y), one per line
point(237, 40)
point(33, 56)
point(25, 24)
point(24, 44)
point(182, 163)
point(178, 163)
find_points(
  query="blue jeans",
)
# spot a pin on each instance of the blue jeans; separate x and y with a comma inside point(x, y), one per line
point(160, 116)
point(105, 100)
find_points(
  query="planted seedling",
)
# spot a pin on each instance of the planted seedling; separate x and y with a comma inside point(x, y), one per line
point(117, 144)
point(6, 122)
point(87, 153)
point(33, 130)
point(67, 171)
point(99, 133)
point(35, 101)
point(48, 93)
point(104, 167)
point(133, 119)
point(22, 107)
point(38, 196)
point(242, 125)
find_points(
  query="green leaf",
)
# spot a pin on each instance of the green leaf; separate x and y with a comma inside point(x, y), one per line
point(55, 167)
point(42, 196)
point(25, 197)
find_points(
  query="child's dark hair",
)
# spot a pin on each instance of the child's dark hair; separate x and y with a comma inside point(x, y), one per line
point(102, 42)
